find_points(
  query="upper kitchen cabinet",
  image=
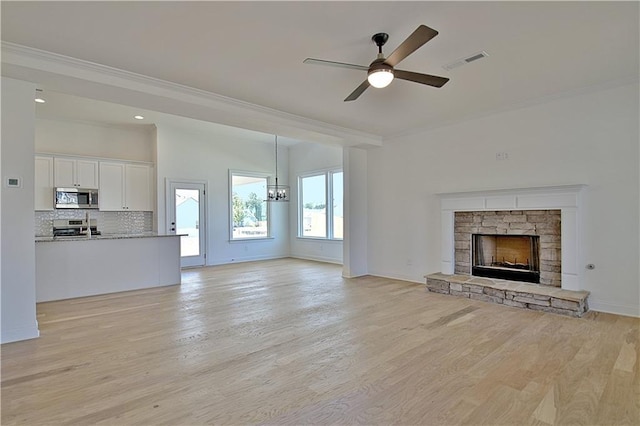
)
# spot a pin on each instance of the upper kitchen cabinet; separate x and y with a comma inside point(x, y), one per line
point(137, 191)
point(43, 187)
point(75, 173)
point(125, 187)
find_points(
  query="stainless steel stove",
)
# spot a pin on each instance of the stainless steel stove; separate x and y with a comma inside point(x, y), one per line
point(74, 227)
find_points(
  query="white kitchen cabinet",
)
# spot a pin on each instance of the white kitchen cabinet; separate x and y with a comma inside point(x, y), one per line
point(125, 187)
point(137, 191)
point(75, 173)
point(43, 185)
point(111, 194)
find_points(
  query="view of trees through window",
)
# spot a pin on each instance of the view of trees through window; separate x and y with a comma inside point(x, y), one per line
point(248, 206)
point(319, 219)
point(314, 202)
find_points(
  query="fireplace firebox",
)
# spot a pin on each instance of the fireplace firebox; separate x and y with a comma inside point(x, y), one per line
point(509, 257)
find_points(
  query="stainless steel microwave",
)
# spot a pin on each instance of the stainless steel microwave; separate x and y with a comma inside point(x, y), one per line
point(76, 198)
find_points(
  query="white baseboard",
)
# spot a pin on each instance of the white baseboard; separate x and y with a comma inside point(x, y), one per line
point(353, 276)
point(318, 259)
point(244, 259)
point(399, 277)
point(614, 308)
point(22, 333)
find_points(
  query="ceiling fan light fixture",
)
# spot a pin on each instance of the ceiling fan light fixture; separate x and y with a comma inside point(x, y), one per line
point(381, 77)
point(381, 72)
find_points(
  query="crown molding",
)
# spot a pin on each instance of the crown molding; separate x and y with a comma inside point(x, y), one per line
point(49, 62)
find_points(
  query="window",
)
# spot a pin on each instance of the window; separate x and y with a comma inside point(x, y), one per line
point(249, 213)
point(319, 218)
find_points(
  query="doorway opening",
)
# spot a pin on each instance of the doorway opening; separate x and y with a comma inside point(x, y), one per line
point(186, 216)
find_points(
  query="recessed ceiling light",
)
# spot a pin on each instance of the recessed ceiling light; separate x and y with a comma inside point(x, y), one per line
point(40, 100)
point(138, 117)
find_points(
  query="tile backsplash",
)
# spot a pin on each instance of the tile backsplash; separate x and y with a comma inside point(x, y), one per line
point(108, 222)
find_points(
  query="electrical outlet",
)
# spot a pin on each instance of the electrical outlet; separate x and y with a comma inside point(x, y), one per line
point(409, 262)
point(501, 156)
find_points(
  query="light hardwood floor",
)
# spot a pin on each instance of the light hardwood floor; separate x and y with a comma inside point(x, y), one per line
point(291, 342)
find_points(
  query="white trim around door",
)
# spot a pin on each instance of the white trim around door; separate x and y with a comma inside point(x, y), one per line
point(186, 213)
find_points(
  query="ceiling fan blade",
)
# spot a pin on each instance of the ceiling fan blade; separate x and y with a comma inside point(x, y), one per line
point(335, 64)
point(359, 90)
point(431, 80)
point(419, 37)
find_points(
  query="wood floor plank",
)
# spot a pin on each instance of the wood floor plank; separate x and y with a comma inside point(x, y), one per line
point(292, 342)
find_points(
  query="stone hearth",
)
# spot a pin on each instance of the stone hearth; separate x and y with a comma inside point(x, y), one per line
point(511, 293)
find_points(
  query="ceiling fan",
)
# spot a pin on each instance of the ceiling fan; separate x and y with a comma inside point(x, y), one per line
point(381, 72)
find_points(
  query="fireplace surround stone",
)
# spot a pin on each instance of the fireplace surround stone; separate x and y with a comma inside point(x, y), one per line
point(546, 224)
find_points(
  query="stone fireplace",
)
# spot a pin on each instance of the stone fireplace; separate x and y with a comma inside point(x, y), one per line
point(550, 213)
point(516, 245)
point(530, 235)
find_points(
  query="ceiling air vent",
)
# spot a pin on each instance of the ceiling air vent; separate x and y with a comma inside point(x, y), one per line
point(460, 62)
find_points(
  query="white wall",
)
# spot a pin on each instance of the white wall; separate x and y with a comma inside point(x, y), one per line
point(356, 215)
point(182, 154)
point(18, 291)
point(591, 138)
point(135, 143)
point(305, 158)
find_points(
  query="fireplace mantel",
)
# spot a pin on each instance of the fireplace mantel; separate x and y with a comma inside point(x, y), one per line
point(566, 198)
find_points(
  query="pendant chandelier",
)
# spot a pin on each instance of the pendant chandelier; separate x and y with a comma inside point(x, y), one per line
point(277, 193)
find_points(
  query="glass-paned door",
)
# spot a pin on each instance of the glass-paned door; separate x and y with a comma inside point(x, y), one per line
point(186, 217)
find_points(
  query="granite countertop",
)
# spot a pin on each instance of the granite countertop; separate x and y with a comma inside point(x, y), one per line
point(41, 239)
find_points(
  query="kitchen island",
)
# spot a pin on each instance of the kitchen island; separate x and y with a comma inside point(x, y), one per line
point(72, 267)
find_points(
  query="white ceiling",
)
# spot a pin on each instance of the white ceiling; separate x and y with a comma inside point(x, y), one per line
point(62, 106)
point(253, 51)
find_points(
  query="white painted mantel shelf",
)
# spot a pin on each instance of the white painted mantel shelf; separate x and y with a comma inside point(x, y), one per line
point(566, 198)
